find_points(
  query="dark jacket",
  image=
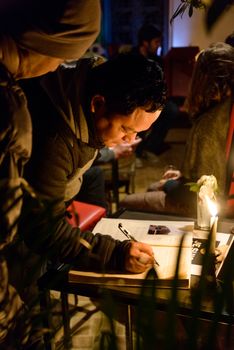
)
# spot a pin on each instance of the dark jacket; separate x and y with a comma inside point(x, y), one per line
point(15, 149)
point(64, 144)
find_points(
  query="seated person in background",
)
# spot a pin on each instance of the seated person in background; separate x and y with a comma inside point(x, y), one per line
point(149, 41)
point(92, 190)
point(75, 112)
point(210, 106)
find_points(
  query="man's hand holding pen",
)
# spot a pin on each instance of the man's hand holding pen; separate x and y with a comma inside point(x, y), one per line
point(140, 256)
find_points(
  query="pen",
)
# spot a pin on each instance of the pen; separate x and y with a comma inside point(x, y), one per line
point(131, 237)
point(126, 233)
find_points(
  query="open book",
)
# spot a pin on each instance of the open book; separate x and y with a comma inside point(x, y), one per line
point(224, 243)
point(165, 248)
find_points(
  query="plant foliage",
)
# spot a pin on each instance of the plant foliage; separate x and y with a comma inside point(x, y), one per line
point(187, 5)
point(213, 11)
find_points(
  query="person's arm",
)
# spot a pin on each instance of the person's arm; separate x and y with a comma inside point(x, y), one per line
point(47, 231)
point(15, 150)
point(105, 155)
point(179, 199)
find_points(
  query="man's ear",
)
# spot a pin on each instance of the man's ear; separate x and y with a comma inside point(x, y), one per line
point(98, 104)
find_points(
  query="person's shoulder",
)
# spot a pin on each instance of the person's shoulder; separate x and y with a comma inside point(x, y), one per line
point(88, 59)
point(158, 60)
point(212, 122)
point(216, 112)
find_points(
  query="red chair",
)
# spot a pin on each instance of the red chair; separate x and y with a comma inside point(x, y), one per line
point(84, 215)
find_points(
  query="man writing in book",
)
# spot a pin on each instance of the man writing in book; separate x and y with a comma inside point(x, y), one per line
point(84, 108)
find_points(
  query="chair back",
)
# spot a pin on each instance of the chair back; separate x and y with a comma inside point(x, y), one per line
point(84, 215)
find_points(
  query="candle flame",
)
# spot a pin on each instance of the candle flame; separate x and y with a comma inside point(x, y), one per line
point(212, 206)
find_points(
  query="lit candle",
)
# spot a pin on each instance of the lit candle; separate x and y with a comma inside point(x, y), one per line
point(213, 224)
point(213, 232)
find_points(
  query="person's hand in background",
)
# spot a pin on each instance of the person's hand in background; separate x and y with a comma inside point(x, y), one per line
point(171, 173)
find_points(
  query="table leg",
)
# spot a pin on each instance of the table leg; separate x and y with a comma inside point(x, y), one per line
point(67, 341)
point(128, 329)
point(45, 309)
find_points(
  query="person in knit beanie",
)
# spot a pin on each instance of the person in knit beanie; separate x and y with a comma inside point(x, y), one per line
point(35, 38)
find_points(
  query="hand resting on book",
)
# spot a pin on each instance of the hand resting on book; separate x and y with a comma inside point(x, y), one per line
point(139, 258)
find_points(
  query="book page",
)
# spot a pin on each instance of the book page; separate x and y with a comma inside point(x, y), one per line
point(90, 276)
point(165, 246)
point(139, 228)
point(223, 244)
point(167, 259)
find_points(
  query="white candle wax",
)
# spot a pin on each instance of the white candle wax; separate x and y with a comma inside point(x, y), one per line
point(213, 232)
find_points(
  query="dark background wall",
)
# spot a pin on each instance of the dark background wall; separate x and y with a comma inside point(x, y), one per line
point(122, 19)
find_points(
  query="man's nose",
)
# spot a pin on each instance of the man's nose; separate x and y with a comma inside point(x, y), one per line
point(129, 138)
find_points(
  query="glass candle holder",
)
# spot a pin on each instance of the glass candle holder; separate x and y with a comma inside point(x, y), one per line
point(203, 214)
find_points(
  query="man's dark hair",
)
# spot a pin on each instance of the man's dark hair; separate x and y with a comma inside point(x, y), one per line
point(148, 32)
point(127, 82)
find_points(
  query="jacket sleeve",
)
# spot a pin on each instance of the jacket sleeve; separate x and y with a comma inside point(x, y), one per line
point(44, 226)
point(15, 150)
point(56, 239)
point(106, 155)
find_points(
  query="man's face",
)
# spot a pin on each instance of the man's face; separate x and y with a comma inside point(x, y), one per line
point(118, 128)
point(153, 45)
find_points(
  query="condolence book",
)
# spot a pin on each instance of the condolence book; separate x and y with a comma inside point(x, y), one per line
point(165, 239)
point(224, 242)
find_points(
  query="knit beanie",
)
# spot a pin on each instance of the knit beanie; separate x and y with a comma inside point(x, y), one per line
point(67, 36)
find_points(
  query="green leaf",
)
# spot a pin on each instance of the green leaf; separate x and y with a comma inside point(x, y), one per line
point(194, 187)
point(190, 10)
point(179, 11)
point(184, 4)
